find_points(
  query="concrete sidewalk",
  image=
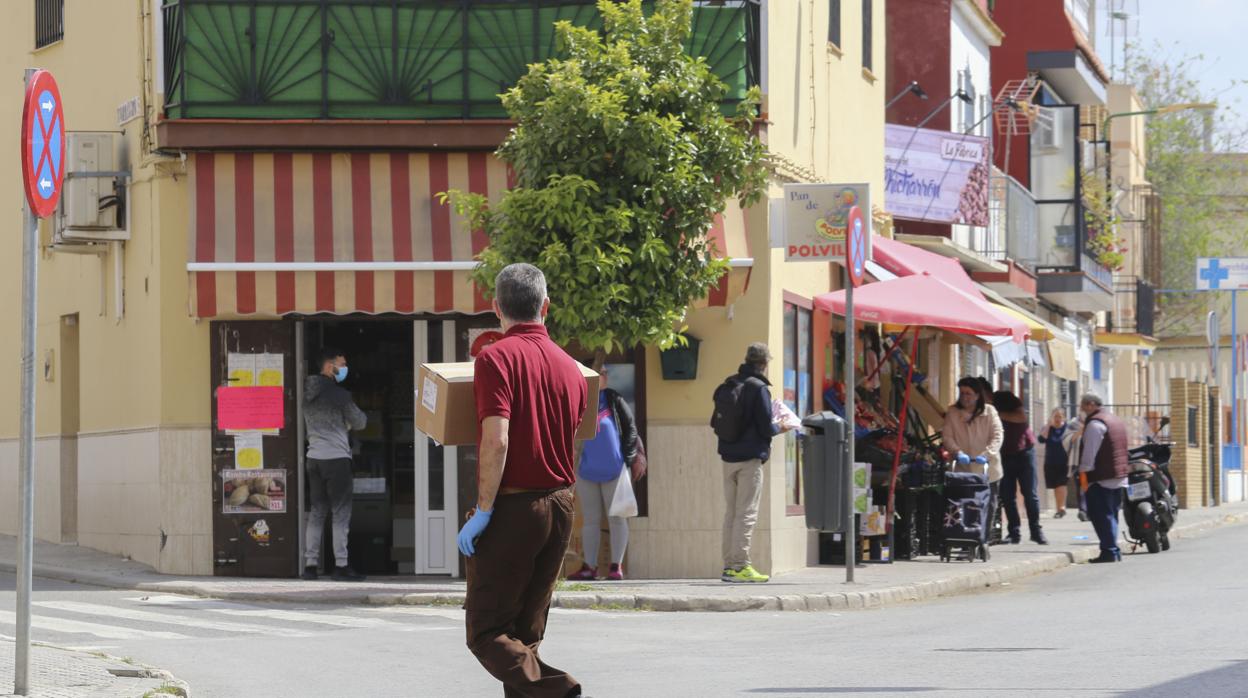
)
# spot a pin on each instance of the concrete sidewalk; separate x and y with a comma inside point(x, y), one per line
point(810, 589)
point(62, 673)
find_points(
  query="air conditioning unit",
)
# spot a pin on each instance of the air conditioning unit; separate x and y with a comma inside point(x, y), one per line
point(93, 202)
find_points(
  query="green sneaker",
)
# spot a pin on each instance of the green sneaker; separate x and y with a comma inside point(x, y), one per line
point(750, 575)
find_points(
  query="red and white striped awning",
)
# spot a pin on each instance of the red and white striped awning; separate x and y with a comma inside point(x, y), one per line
point(339, 233)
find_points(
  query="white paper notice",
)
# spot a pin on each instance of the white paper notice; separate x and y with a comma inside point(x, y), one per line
point(271, 370)
point(429, 394)
point(249, 451)
point(241, 370)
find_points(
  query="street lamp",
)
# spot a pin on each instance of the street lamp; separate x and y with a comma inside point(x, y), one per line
point(959, 94)
point(1164, 109)
point(913, 88)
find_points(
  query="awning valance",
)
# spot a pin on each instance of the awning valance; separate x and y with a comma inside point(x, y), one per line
point(903, 260)
point(1062, 360)
point(273, 234)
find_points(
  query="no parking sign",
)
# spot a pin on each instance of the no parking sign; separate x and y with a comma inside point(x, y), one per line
point(43, 144)
point(43, 173)
point(858, 249)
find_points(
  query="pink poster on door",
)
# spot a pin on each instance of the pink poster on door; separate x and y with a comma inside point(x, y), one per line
point(250, 409)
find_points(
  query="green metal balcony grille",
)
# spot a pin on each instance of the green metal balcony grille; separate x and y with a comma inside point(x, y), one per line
point(395, 59)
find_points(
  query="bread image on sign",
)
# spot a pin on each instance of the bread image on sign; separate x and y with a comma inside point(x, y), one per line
point(253, 491)
point(447, 406)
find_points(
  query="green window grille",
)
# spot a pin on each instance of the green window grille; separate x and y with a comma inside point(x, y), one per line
point(395, 59)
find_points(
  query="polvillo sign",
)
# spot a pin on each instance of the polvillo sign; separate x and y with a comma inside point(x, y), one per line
point(816, 220)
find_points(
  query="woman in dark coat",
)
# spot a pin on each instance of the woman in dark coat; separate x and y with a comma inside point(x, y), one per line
point(1018, 461)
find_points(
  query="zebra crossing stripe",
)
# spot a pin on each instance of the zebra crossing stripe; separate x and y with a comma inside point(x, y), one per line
point(77, 627)
point(166, 618)
point(241, 610)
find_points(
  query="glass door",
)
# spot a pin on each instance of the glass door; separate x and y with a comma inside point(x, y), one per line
point(436, 505)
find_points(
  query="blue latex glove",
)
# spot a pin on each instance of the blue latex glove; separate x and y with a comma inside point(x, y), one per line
point(472, 530)
point(981, 460)
point(963, 459)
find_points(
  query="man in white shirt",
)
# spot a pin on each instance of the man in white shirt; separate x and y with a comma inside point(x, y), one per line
point(1103, 458)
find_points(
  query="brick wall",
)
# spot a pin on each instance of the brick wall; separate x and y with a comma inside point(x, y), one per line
point(1187, 462)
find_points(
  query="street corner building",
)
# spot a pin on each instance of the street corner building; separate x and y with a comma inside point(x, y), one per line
point(240, 197)
point(215, 237)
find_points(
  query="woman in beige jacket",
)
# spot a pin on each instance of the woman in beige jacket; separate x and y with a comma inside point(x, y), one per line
point(973, 431)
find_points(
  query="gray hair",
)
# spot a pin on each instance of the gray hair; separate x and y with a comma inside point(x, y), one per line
point(1092, 398)
point(520, 290)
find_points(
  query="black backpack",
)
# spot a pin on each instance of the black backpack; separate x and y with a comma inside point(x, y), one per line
point(728, 419)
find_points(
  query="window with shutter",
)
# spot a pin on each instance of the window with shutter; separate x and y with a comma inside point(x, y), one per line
point(49, 22)
point(867, 48)
point(834, 22)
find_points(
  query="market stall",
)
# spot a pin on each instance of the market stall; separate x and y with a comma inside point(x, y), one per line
point(905, 306)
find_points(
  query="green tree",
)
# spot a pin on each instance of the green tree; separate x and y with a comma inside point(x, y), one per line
point(1189, 166)
point(622, 156)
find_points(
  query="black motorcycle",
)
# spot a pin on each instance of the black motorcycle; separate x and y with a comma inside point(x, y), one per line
point(1150, 504)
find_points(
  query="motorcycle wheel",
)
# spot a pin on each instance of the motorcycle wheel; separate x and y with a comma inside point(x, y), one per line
point(1165, 541)
point(1152, 542)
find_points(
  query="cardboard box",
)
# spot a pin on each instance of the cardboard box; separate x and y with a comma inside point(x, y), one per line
point(446, 406)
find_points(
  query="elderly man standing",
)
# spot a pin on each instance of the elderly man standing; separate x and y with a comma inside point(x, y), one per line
point(1103, 456)
point(531, 397)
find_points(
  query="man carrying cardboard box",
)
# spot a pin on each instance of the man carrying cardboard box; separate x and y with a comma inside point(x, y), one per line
point(530, 398)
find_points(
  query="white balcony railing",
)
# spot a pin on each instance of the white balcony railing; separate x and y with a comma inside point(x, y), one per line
point(1012, 222)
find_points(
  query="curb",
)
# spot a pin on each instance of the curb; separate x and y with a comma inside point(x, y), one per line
point(62, 574)
point(959, 583)
point(830, 601)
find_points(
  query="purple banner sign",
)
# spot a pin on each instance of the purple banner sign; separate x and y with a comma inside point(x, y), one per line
point(935, 176)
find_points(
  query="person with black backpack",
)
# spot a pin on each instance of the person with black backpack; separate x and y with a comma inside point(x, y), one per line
point(743, 423)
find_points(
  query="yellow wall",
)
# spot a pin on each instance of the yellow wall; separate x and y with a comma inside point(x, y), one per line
point(98, 66)
point(835, 133)
point(826, 124)
point(138, 369)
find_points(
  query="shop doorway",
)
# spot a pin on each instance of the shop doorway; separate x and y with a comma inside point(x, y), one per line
point(408, 490)
point(380, 379)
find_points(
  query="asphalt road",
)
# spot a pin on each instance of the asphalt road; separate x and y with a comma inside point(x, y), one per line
point(1173, 624)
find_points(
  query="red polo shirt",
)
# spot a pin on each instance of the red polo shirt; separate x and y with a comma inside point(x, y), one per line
point(529, 380)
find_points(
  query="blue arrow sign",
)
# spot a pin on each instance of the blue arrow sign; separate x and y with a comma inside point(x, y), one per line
point(45, 145)
point(858, 247)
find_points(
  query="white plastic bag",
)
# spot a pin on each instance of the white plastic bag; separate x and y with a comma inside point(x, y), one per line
point(623, 501)
point(783, 416)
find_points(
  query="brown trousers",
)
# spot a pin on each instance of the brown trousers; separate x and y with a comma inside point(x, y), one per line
point(511, 579)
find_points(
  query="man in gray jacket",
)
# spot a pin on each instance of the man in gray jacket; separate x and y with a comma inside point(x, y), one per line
point(329, 413)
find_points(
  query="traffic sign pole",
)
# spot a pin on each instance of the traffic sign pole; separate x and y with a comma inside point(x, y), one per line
point(43, 173)
point(851, 535)
point(26, 452)
point(26, 459)
point(856, 250)
point(1235, 367)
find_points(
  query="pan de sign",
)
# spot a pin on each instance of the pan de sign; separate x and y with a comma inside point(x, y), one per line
point(816, 220)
